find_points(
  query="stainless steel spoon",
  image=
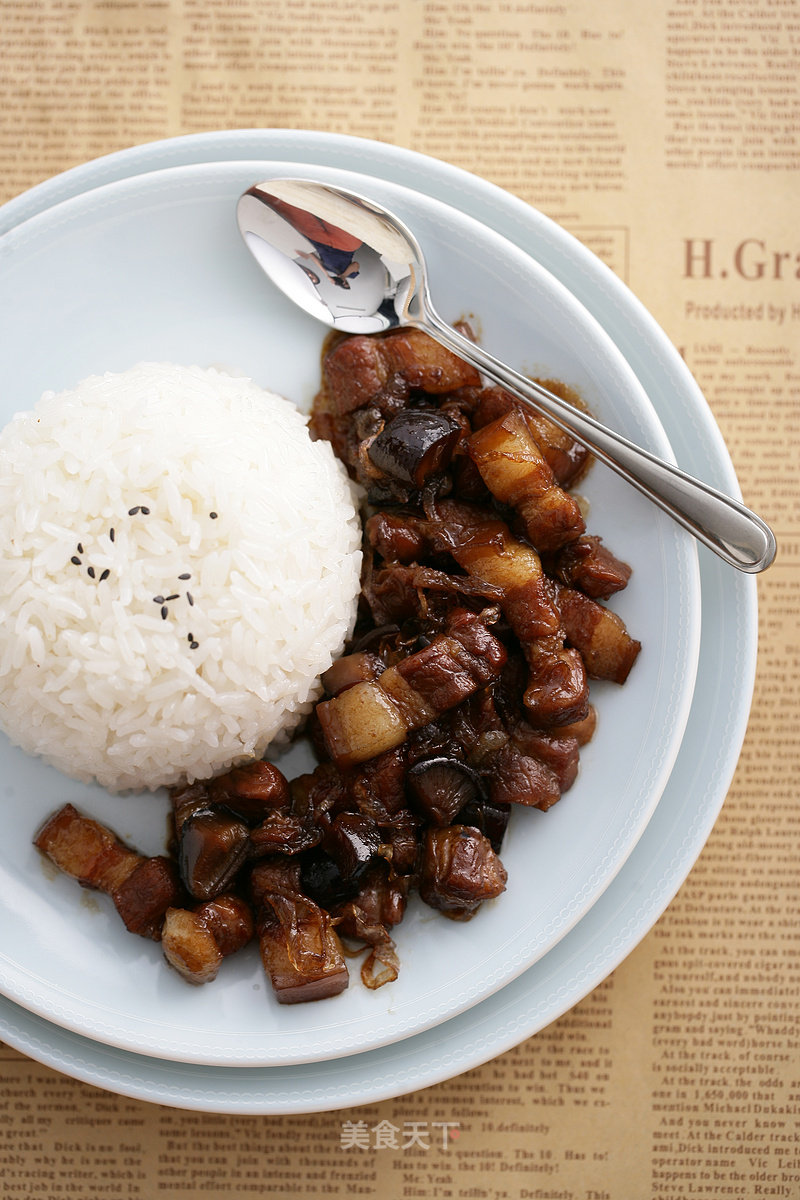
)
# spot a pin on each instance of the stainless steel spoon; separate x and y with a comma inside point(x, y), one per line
point(355, 266)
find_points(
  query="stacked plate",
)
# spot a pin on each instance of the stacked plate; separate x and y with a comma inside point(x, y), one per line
point(137, 256)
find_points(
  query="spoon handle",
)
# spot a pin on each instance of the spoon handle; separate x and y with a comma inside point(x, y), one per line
point(732, 531)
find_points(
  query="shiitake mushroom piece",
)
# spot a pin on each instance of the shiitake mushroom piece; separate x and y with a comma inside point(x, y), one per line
point(322, 881)
point(212, 845)
point(353, 841)
point(400, 842)
point(489, 818)
point(414, 445)
point(440, 785)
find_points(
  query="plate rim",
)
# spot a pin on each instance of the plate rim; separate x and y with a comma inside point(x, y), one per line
point(336, 1038)
point(745, 594)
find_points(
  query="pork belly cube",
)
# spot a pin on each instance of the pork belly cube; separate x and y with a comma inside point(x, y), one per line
point(566, 458)
point(425, 364)
point(589, 566)
point(143, 898)
point(607, 649)
point(358, 667)
point(189, 946)
point(355, 372)
point(459, 871)
point(252, 791)
point(396, 537)
point(358, 370)
point(482, 654)
point(300, 949)
point(582, 730)
point(557, 692)
point(453, 666)
point(514, 567)
point(360, 722)
point(142, 889)
point(517, 473)
point(518, 778)
point(371, 717)
point(368, 916)
point(86, 850)
point(195, 941)
point(558, 749)
point(436, 680)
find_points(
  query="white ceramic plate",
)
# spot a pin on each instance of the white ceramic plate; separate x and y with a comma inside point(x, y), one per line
point(152, 267)
point(706, 760)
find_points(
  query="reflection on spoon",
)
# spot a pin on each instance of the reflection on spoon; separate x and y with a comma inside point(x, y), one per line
point(356, 267)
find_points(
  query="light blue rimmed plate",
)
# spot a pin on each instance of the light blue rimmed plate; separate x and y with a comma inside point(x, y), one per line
point(656, 866)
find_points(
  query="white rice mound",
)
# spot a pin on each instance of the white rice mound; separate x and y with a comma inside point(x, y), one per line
point(180, 563)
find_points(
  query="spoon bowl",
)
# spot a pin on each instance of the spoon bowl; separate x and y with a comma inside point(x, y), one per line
point(356, 267)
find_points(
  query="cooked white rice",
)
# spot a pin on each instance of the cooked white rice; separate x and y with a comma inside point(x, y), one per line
point(180, 562)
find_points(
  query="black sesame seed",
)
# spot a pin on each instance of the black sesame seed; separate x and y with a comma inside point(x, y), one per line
point(80, 548)
point(90, 572)
point(164, 613)
point(190, 637)
point(158, 599)
point(145, 511)
point(105, 574)
point(75, 560)
point(111, 534)
point(186, 575)
point(133, 511)
point(193, 645)
point(190, 597)
point(213, 515)
point(174, 596)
